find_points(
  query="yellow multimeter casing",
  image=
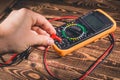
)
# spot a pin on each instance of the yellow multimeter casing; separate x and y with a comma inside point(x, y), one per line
point(84, 30)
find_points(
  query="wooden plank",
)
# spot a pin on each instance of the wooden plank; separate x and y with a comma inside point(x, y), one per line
point(4, 5)
point(73, 65)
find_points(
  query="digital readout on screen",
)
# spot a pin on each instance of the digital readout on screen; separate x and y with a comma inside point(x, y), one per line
point(95, 22)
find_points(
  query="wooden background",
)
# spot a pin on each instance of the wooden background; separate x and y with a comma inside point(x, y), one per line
point(71, 66)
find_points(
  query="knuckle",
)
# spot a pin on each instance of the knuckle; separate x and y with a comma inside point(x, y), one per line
point(23, 10)
point(42, 17)
point(14, 11)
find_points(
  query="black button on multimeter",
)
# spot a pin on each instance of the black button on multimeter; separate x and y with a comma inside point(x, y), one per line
point(83, 30)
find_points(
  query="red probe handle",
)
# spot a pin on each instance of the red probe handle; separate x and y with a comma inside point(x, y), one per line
point(55, 37)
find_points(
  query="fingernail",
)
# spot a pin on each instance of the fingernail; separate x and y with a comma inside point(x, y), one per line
point(50, 41)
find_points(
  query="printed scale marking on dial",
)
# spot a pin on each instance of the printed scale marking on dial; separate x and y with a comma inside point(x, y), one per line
point(74, 31)
point(71, 34)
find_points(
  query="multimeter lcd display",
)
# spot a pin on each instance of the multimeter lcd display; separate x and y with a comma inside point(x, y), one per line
point(95, 22)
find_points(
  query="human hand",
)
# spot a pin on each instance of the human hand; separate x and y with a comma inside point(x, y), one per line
point(24, 28)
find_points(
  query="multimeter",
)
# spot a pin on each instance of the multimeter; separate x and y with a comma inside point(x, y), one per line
point(82, 31)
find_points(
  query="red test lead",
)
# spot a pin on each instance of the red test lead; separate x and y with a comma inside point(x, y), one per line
point(55, 37)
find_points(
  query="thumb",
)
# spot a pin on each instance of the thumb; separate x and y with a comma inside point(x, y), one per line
point(42, 40)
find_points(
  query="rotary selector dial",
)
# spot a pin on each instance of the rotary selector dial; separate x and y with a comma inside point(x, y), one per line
point(73, 31)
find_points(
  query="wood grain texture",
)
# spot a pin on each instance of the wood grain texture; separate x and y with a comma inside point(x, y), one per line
point(74, 64)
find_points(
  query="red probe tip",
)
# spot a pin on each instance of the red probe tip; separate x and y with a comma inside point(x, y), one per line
point(55, 37)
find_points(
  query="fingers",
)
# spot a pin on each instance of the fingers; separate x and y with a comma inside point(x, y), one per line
point(44, 23)
point(34, 19)
point(41, 40)
point(40, 21)
point(41, 48)
point(39, 31)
